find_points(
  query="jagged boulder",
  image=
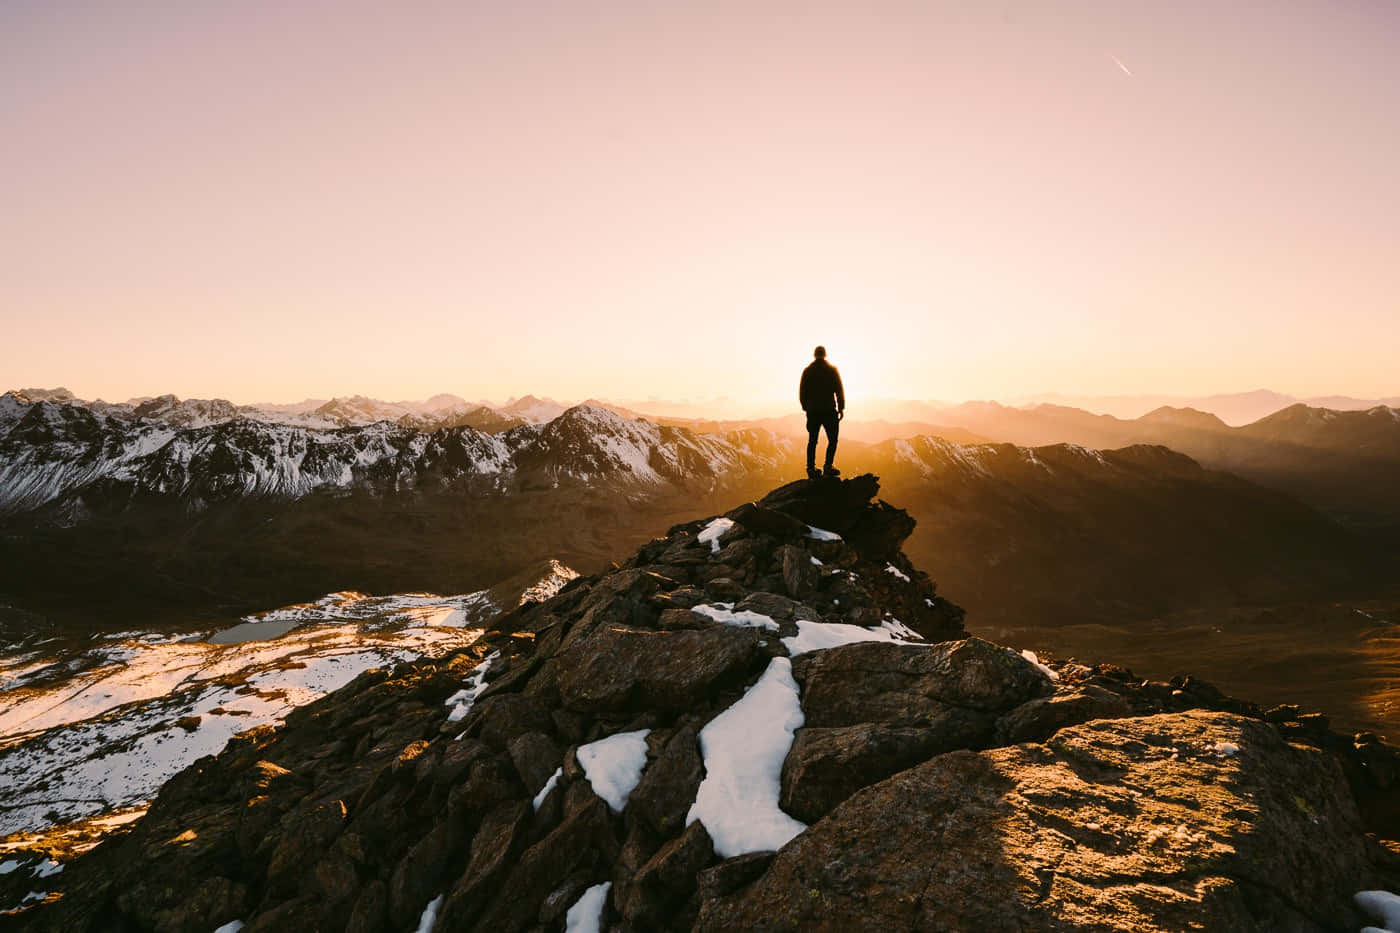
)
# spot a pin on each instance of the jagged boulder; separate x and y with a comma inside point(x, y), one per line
point(826, 504)
point(914, 685)
point(617, 667)
point(1036, 720)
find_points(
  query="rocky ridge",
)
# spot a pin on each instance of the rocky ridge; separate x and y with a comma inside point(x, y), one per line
point(764, 720)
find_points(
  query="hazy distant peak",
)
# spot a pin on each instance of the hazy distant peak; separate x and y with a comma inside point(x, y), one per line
point(593, 414)
point(59, 394)
point(986, 405)
point(1184, 417)
point(1298, 413)
point(445, 400)
point(296, 408)
point(1052, 409)
point(533, 408)
point(1261, 396)
point(1384, 411)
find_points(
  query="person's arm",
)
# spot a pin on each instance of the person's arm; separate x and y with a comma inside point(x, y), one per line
point(802, 390)
point(840, 393)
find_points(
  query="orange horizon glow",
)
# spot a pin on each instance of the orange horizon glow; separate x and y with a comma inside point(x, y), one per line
point(273, 201)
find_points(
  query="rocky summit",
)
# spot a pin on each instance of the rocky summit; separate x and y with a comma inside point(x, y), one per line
point(763, 720)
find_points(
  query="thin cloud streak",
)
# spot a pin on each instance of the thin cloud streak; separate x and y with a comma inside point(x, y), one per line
point(1120, 64)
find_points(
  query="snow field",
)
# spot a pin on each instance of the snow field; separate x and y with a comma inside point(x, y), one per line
point(106, 737)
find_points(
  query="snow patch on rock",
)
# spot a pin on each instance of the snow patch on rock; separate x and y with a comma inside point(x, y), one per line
point(814, 636)
point(586, 916)
point(1034, 658)
point(744, 748)
point(744, 618)
point(614, 765)
point(712, 532)
point(429, 915)
point(1381, 905)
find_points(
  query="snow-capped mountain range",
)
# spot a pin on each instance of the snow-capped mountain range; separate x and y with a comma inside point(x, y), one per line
point(60, 452)
point(441, 411)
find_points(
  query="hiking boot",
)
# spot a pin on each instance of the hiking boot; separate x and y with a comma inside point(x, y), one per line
point(814, 473)
point(831, 471)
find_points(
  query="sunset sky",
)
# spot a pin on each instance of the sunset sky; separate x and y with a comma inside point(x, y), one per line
point(274, 200)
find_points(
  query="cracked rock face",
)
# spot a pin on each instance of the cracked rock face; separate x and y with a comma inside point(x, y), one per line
point(778, 678)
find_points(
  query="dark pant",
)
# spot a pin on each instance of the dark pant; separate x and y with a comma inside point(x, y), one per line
point(816, 420)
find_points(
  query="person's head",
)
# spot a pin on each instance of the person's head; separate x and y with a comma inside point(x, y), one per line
point(819, 353)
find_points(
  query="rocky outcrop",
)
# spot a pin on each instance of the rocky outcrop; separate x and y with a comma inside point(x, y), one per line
point(1178, 821)
point(762, 720)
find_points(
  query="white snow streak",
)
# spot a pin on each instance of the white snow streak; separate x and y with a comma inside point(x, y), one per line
point(586, 916)
point(463, 700)
point(744, 618)
point(429, 917)
point(548, 786)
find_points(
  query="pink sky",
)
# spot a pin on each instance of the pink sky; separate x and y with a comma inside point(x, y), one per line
point(273, 200)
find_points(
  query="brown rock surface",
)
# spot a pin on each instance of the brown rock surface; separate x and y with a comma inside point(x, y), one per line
point(1134, 824)
point(617, 667)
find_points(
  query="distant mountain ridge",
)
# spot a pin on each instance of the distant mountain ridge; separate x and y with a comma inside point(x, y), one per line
point(1235, 408)
point(441, 411)
point(1343, 462)
point(295, 510)
point(71, 458)
point(1338, 461)
point(1063, 534)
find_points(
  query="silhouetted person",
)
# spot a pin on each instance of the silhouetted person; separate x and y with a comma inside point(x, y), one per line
point(824, 401)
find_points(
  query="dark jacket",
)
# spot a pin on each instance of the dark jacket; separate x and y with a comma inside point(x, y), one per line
point(820, 389)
